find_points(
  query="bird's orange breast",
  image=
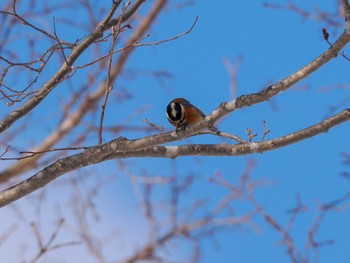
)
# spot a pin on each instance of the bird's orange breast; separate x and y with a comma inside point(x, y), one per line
point(192, 115)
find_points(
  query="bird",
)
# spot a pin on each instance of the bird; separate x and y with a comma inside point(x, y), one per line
point(181, 113)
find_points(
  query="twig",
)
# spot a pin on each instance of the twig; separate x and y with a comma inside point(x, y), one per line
point(115, 33)
point(232, 70)
point(89, 102)
point(171, 38)
point(329, 18)
point(227, 135)
point(326, 38)
point(137, 43)
point(266, 131)
point(32, 153)
point(59, 43)
point(60, 74)
point(25, 22)
point(250, 134)
point(160, 128)
point(287, 240)
point(44, 248)
point(6, 150)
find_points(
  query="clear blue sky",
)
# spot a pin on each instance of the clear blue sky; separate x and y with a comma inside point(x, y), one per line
point(273, 44)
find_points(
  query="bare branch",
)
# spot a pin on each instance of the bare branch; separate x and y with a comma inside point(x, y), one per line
point(266, 131)
point(123, 148)
point(232, 70)
point(30, 154)
point(332, 19)
point(48, 246)
point(137, 43)
point(282, 85)
point(59, 42)
point(346, 7)
point(25, 22)
point(115, 33)
point(61, 73)
point(90, 101)
point(157, 127)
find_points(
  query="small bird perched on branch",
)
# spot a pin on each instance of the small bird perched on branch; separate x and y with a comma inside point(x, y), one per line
point(180, 113)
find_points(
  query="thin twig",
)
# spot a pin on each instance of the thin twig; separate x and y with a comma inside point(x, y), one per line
point(25, 22)
point(60, 74)
point(59, 43)
point(266, 131)
point(44, 248)
point(89, 102)
point(137, 43)
point(229, 136)
point(115, 33)
point(32, 153)
point(326, 38)
point(160, 128)
point(250, 134)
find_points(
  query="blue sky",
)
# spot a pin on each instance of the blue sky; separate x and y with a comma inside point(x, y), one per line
point(273, 44)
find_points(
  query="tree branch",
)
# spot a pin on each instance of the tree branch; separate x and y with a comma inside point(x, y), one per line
point(89, 102)
point(346, 7)
point(271, 91)
point(65, 67)
point(235, 149)
point(282, 85)
point(146, 147)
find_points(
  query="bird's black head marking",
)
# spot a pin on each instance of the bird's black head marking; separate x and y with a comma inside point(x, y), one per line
point(174, 112)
